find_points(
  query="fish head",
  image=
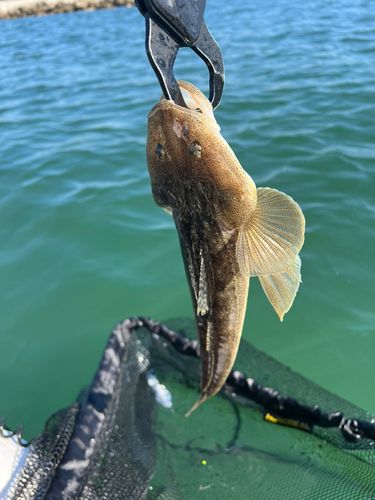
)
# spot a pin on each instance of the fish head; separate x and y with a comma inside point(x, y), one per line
point(186, 152)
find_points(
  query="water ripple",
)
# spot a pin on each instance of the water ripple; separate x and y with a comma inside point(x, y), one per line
point(82, 242)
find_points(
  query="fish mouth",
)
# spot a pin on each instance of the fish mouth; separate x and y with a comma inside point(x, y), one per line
point(196, 101)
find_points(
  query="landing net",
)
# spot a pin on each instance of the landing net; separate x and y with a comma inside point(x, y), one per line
point(130, 439)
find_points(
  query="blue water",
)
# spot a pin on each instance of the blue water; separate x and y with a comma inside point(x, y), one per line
point(82, 244)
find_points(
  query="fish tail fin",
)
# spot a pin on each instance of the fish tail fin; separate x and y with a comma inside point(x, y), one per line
point(201, 400)
point(273, 236)
point(282, 288)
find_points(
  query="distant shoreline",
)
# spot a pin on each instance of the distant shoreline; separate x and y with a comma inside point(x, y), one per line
point(12, 9)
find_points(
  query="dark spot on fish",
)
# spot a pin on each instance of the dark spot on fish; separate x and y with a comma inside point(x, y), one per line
point(185, 130)
point(160, 152)
point(195, 149)
point(179, 129)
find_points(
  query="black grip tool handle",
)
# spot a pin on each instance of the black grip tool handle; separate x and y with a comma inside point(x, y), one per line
point(171, 24)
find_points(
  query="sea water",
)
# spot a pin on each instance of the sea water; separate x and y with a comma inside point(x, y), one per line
point(82, 243)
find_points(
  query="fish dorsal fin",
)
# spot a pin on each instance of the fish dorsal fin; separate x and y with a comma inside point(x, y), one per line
point(272, 237)
point(282, 288)
point(202, 302)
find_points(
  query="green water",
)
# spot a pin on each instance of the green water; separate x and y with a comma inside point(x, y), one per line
point(82, 244)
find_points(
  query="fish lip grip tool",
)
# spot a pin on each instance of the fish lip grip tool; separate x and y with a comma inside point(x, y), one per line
point(171, 24)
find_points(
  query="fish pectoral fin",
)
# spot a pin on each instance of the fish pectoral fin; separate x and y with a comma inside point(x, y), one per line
point(167, 209)
point(274, 235)
point(282, 288)
point(202, 301)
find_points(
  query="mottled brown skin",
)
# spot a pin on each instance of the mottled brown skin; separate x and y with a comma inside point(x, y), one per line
point(211, 197)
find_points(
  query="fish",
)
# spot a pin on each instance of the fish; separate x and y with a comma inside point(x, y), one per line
point(229, 230)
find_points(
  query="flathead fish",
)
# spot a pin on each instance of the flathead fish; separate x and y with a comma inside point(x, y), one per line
point(229, 230)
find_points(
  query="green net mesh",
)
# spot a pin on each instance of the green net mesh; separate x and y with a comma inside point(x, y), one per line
point(227, 450)
point(131, 440)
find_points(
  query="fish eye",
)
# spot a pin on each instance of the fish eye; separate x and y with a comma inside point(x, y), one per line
point(160, 152)
point(196, 149)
